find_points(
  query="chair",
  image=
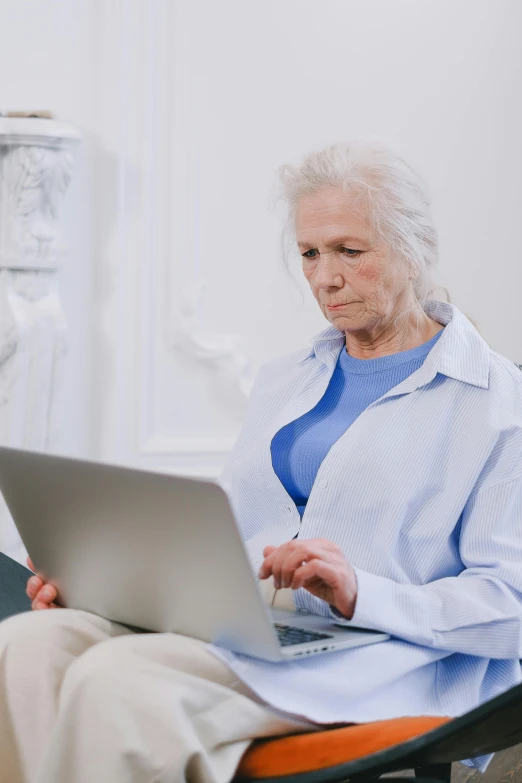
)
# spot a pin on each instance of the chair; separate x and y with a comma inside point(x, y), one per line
point(365, 752)
point(13, 579)
point(361, 752)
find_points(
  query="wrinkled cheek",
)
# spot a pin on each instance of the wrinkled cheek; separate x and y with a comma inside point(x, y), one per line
point(373, 271)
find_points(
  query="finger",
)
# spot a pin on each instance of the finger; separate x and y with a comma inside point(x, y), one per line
point(293, 562)
point(324, 543)
point(306, 552)
point(266, 566)
point(278, 564)
point(39, 605)
point(283, 560)
point(273, 553)
point(47, 594)
point(314, 570)
point(34, 585)
point(286, 559)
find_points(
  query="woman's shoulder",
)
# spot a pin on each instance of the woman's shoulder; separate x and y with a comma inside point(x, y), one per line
point(505, 377)
point(503, 411)
point(502, 419)
point(282, 369)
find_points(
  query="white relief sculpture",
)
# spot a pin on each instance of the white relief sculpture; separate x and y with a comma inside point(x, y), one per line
point(225, 352)
point(35, 171)
point(38, 178)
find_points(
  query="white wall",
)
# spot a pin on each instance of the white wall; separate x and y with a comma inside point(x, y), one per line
point(188, 107)
point(254, 85)
point(439, 79)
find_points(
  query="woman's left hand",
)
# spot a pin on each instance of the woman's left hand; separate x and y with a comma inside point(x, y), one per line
point(317, 565)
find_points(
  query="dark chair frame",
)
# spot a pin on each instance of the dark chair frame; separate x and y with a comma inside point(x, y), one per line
point(492, 727)
point(13, 579)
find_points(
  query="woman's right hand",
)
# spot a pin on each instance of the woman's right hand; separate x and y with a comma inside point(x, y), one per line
point(41, 593)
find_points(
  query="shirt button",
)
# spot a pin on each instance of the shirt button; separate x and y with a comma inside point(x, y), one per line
point(323, 484)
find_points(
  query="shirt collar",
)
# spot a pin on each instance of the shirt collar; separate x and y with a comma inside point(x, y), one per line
point(461, 353)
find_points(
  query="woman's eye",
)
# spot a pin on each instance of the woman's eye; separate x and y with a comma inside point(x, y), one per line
point(310, 254)
point(349, 251)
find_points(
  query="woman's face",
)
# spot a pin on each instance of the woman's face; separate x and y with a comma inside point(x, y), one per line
point(355, 280)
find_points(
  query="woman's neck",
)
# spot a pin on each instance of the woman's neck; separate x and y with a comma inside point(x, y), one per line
point(401, 333)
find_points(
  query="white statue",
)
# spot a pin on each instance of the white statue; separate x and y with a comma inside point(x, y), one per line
point(35, 170)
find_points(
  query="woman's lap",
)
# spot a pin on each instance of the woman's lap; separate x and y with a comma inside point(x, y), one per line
point(77, 633)
point(89, 682)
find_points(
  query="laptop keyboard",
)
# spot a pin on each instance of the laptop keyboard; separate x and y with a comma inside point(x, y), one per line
point(288, 634)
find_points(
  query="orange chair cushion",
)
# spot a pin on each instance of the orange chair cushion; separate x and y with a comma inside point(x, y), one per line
point(317, 750)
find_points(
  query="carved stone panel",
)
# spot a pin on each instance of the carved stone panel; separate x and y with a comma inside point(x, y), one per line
point(35, 170)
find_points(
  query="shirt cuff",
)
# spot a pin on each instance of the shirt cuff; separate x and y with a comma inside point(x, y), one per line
point(369, 604)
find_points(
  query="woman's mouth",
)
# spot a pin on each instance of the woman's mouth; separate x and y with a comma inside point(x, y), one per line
point(335, 307)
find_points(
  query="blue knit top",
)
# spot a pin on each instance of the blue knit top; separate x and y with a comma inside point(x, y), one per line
point(299, 448)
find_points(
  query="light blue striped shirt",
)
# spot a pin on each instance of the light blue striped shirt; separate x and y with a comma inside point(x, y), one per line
point(299, 448)
point(423, 493)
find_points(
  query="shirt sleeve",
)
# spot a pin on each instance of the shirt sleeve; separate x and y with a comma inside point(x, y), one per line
point(478, 612)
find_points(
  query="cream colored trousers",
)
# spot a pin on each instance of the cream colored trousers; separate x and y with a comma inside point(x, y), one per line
point(85, 700)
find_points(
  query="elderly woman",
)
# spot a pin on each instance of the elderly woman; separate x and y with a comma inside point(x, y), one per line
point(381, 469)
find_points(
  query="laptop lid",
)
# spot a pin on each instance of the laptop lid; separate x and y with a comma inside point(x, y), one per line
point(151, 550)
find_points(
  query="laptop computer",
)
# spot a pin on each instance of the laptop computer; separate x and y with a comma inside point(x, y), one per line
point(156, 551)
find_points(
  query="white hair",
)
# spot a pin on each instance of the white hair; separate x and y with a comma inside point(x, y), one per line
point(397, 198)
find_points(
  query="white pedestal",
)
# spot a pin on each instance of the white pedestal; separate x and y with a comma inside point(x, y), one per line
point(35, 170)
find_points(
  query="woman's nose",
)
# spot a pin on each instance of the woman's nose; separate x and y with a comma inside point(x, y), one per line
point(327, 273)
